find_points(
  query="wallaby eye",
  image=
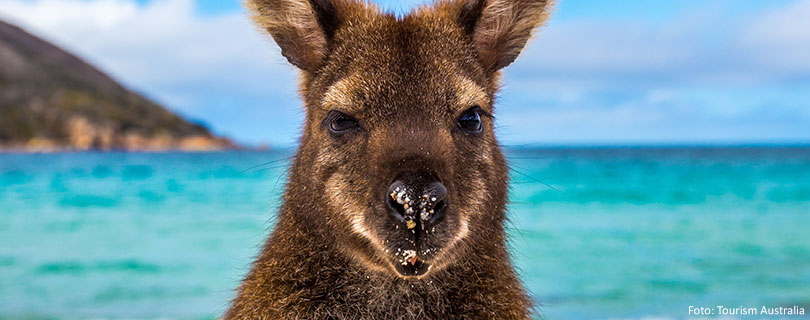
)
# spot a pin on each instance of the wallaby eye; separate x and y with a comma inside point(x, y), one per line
point(340, 122)
point(470, 120)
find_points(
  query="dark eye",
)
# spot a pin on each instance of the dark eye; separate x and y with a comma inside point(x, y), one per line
point(339, 122)
point(470, 120)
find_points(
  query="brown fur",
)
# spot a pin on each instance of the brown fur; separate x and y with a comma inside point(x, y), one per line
point(406, 81)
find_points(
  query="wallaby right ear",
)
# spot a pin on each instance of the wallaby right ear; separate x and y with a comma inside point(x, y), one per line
point(498, 29)
point(301, 28)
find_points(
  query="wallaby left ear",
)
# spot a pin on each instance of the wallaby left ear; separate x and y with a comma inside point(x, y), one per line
point(301, 28)
point(499, 29)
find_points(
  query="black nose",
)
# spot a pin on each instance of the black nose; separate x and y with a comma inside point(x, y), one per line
point(414, 203)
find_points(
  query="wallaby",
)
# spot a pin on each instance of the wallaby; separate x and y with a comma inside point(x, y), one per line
point(396, 199)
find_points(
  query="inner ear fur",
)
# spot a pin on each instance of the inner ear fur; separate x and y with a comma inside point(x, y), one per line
point(498, 29)
point(303, 28)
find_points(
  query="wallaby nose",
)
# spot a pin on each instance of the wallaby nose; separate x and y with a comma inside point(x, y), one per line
point(417, 204)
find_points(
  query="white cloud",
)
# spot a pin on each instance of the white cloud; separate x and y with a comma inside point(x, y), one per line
point(780, 39)
point(704, 74)
point(204, 67)
point(135, 41)
point(705, 46)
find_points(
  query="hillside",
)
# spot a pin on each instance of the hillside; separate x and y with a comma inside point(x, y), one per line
point(52, 100)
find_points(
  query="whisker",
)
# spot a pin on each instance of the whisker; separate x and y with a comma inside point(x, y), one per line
point(522, 182)
point(286, 173)
point(512, 168)
point(538, 157)
point(271, 168)
point(267, 163)
point(521, 202)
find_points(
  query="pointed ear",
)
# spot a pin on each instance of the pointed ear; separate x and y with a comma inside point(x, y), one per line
point(301, 28)
point(499, 29)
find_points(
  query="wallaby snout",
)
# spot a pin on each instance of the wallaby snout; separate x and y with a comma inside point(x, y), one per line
point(417, 203)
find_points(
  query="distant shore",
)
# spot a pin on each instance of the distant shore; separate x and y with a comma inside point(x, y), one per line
point(216, 144)
point(195, 143)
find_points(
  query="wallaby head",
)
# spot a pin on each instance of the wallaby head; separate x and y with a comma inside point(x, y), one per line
point(398, 165)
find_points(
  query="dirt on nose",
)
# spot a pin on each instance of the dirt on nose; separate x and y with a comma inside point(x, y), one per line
point(414, 204)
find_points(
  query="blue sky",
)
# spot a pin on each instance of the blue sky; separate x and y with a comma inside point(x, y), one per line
point(600, 72)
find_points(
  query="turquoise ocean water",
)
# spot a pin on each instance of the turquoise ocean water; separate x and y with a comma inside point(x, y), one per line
point(597, 233)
